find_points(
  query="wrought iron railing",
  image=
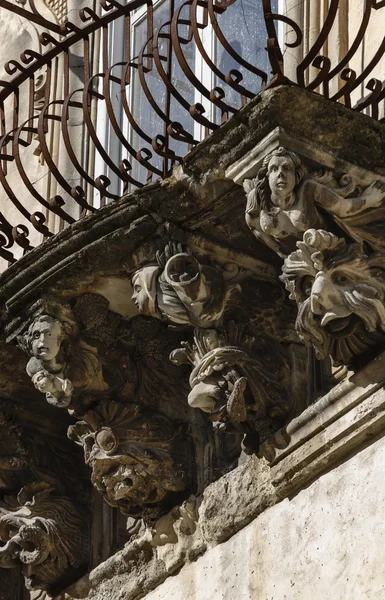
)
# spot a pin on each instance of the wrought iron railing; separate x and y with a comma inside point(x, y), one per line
point(168, 90)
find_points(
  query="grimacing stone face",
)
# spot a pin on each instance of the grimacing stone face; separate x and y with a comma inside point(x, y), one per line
point(340, 293)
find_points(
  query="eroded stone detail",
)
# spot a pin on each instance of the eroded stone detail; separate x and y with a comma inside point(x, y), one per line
point(132, 455)
point(232, 384)
point(229, 380)
point(283, 201)
point(59, 361)
point(45, 533)
point(340, 293)
point(180, 289)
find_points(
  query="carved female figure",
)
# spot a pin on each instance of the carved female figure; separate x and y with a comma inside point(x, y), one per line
point(282, 204)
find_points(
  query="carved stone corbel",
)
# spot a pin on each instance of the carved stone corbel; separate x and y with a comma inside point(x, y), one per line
point(46, 534)
point(133, 457)
point(60, 361)
point(340, 293)
point(43, 520)
point(228, 381)
point(285, 200)
point(232, 385)
point(179, 289)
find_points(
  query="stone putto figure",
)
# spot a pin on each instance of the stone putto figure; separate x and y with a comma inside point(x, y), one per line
point(340, 293)
point(282, 203)
point(46, 366)
point(179, 289)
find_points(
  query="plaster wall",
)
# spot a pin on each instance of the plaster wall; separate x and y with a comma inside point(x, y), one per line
point(326, 542)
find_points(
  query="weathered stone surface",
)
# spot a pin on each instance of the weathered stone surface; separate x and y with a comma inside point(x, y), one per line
point(264, 530)
point(326, 542)
point(199, 206)
point(235, 499)
point(201, 194)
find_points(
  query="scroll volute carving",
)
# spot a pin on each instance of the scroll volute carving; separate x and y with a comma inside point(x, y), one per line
point(60, 361)
point(340, 293)
point(283, 201)
point(45, 533)
point(137, 456)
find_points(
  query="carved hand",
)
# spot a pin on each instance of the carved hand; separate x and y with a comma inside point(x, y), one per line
point(374, 194)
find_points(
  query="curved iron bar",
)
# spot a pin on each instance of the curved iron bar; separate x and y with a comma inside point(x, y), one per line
point(319, 43)
point(157, 55)
point(213, 10)
point(137, 154)
point(53, 168)
point(115, 124)
point(213, 67)
point(355, 44)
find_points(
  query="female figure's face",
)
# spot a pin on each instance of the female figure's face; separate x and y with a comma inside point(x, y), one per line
point(46, 339)
point(281, 175)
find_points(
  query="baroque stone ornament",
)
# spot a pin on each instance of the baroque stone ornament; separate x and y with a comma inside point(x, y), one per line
point(59, 361)
point(180, 289)
point(131, 453)
point(283, 202)
point(340, 293)
point(232, 385)
point(44, 533)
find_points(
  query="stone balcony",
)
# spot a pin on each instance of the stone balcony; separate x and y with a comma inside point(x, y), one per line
point(156, 334)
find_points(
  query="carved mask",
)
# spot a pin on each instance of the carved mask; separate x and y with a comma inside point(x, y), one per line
point(45, 534)
point(339, 291)
point(130, 453)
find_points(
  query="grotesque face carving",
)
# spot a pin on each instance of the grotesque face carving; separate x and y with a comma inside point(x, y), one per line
point(44, 533)
point(340, 294)
point(281, 176)
point(130, 453)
